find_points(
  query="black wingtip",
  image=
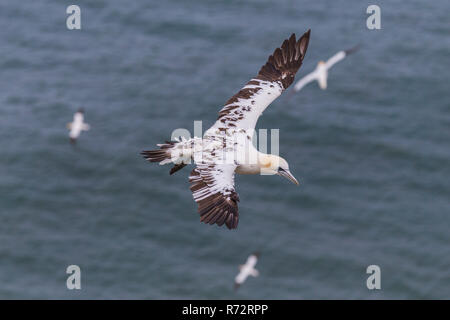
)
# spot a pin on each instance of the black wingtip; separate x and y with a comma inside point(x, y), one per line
point(305, 39)
point(352, 50)
point(292, 37)
point(307, 34)
point(285, 61)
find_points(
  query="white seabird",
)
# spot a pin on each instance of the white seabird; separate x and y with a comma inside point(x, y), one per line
point(226, 148)
point(247, 269)
point(320, 74)
point(77, 125)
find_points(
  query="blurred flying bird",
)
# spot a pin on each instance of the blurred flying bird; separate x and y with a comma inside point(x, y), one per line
point(77, 125)
point(226, 148)
point(247, 269)
point(320, 74)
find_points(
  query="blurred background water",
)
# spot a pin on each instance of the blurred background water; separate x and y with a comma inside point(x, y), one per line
point(371, 151)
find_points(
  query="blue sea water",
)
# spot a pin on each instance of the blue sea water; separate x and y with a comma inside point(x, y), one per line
point(371, 152)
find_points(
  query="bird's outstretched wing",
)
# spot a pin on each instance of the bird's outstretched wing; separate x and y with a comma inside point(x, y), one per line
point(335, 59)
point(244, 108)
point(340, 55)
point(305, 80)
point(212, 187)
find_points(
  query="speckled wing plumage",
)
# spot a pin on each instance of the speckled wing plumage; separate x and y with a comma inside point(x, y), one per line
point(212, 181)
point(212, 187)
point(244, 108)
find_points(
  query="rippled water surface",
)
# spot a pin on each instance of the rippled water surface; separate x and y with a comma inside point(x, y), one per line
point(371, 151)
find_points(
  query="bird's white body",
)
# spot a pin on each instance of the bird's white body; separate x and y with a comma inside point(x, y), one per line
point(234, 148)
point(246, 270)
point(227, 144)
point(320, 74)
point(77, 125)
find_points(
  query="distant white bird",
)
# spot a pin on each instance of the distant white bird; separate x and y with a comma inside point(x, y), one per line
point(77, 125)
point(226, 148)
point(320, 74)
point(247, 269)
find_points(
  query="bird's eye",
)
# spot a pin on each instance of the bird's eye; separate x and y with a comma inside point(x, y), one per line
point(281, 169)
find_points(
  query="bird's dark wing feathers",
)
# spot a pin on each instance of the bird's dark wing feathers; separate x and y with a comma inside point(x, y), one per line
point(212, 187)
point(284, 63)
point(244, 108)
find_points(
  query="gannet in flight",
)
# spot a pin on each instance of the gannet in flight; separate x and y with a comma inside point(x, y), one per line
point(226, 147)
point(77, 125)
point(247, 269)
point(320, 74)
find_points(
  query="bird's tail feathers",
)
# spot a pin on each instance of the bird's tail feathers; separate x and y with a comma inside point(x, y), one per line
point(168, 153)
point(161, 155)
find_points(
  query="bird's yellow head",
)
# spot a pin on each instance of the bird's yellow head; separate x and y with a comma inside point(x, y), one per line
point(321, 63)
point(272, 164)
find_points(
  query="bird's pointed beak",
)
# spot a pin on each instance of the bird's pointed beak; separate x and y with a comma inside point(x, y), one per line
point(288, 175)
